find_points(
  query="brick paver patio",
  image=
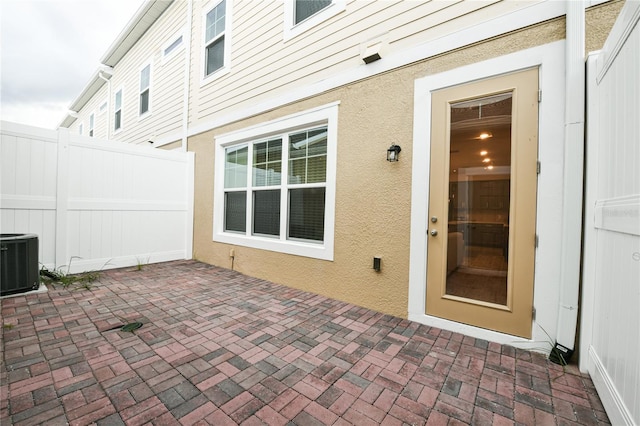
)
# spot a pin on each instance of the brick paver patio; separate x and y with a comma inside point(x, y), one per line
point(219, 348)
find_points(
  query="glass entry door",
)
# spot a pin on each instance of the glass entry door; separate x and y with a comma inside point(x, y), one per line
point(482, 203)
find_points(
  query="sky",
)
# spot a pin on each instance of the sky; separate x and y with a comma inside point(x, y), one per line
point(49, 49)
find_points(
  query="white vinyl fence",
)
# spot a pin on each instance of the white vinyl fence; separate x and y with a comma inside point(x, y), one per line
point(610, 338)
point(95, 204)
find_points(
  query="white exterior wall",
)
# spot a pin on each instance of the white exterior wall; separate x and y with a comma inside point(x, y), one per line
point(611, 284)
point(93, 203)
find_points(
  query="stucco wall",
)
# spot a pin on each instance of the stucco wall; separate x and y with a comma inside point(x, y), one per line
point(598, 23)
point(171, 146)
point(372, 196)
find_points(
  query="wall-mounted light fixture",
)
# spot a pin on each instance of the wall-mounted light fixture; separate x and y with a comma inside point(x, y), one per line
point(393, 152)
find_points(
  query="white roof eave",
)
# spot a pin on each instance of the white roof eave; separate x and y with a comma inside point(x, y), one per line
point(92, 87)
point(67, 121)
point(144, 18)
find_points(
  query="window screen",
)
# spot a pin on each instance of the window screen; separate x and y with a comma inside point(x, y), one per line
point(266, 212)
point(235, 211)
point(306, 8)
point(145, 82)
point(306, 213)
point(117, 118)
point(214, 38)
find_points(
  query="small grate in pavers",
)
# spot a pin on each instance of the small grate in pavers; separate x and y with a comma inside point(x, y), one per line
point(130, 327)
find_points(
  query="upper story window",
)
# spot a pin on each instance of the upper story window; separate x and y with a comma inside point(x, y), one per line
point(307, 8)
point(92, 120)
point(117, 115)
point(103, 107)
point(215, 38)
point(80, 129)
point(145, 90)
point(177, 43)
point(277, 192)
point(302, 15)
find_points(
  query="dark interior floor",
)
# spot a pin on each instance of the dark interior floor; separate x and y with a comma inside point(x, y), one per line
point(482, 276)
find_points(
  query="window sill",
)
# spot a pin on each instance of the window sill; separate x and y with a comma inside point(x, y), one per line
point(296, 248)
point(144, 116)
point(219, 73)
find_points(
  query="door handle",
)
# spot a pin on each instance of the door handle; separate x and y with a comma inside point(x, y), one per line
point(434, 232)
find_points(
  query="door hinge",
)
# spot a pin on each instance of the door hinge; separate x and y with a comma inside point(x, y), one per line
point(539, 95)
point(537, 241)
point(533, 313)
point(537, 167)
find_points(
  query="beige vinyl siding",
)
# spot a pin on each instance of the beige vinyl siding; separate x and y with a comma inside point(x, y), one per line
point(167, 81)
point(102, 119)
point(264, 65)
point(93, 106)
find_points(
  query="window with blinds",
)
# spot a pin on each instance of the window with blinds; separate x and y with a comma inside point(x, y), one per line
point(282, 193)
point(275, 184)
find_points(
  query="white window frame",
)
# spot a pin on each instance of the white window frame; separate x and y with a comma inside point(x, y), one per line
point(115, 111)
point(291, 29)
point(92, 124)
point(226, 67)
point(104, 105)
point(143, 115)
point(80, 129)
point(166, 57)
point(326, 115)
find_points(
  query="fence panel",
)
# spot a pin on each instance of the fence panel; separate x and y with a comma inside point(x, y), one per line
point(610, 344)
point(95, 204)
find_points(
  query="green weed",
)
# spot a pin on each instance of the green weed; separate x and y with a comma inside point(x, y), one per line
point(66, 280)
point(141, 263)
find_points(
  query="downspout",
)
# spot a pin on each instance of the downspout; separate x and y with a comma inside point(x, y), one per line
point(573, 181)
point(187, 77)
point(108, 80)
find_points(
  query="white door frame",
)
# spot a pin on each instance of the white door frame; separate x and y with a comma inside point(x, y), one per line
point(550, 59)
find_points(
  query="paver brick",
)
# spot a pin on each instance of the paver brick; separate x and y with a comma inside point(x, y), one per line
point(294, 407)
point(218, 347)
point(91, 413)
